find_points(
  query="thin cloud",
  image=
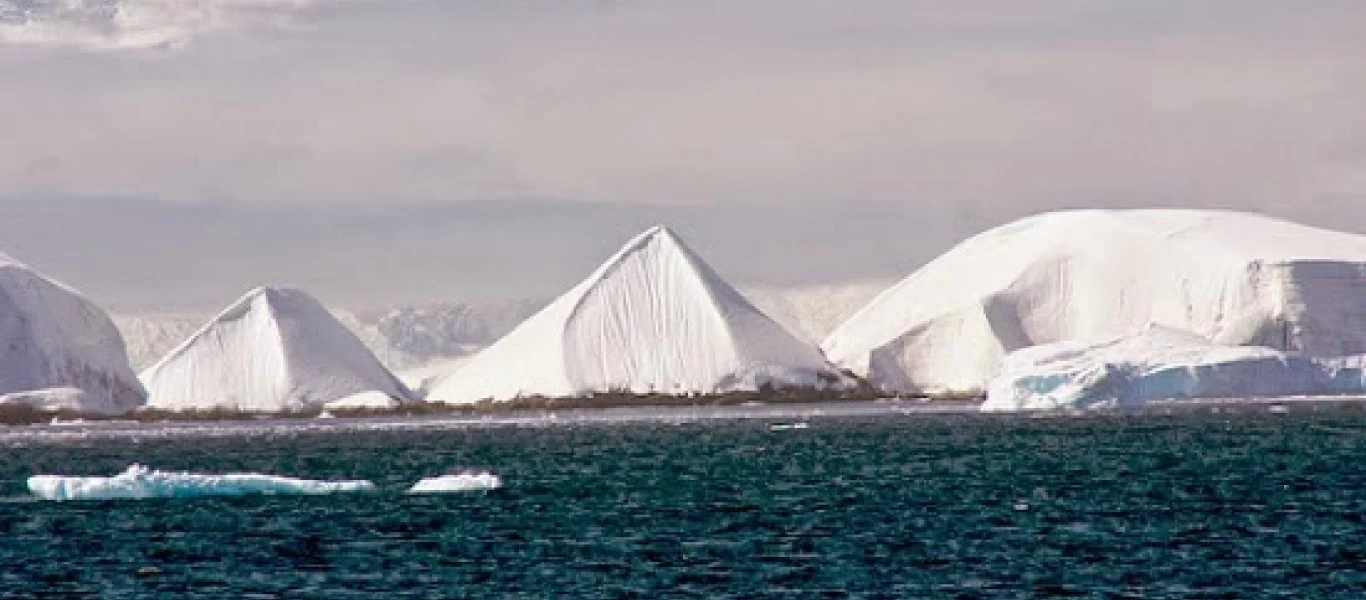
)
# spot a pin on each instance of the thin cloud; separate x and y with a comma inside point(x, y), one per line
point(105, 25)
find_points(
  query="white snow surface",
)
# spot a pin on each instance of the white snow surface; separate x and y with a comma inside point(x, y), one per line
point(55, 338)
point(150, 336)
point(364, 400)
point(460, 482)
point(1093, 275)
point(1157, 364)
point(139, 482)
point(653, 318)
point(274, 350)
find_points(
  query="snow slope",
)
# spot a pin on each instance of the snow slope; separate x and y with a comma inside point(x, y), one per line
point(1156, 364)
point(422, 379)
point(451, 329)
point(813, 311)
point(139, 482)
point(55, 338)
point(273, 350)
point(653, 318)
point(150, 336)
point(1088, 276)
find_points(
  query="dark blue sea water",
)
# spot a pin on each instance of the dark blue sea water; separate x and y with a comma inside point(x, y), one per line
point(1195, 505)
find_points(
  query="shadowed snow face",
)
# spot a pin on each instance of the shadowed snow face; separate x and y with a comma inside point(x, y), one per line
point(843, 132)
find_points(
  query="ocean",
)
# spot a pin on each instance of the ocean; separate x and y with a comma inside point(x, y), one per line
point(1250, 502)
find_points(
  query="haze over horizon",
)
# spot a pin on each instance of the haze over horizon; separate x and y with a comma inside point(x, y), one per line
point(173, 153)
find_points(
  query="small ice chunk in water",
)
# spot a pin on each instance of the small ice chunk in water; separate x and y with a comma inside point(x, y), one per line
point(140, 482)
point(467, 481)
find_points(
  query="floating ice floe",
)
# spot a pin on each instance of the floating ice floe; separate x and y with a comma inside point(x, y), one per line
point(1158, 364)
point(460, 482)
point(1090, 276)
point(139, 482)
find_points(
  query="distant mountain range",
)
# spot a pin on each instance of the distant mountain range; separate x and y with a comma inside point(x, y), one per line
point(413, 337)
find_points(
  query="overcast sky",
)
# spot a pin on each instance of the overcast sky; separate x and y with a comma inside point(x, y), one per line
point(172, 153)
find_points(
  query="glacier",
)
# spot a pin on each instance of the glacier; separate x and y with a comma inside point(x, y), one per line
point(654, 318)
point(140, 482)
point(60, 350)
point(274, 350)
point(1088, 276)
point(1157, 364)
point(459, 482)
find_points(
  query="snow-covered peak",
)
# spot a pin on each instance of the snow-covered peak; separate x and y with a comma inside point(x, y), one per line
point(258, 298)
point(652, 318)
point(274, 349)
point(657, 245)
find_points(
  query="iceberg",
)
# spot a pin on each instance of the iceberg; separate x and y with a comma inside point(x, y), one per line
point(274, 350)
point(1094, 275)
point(55, 339)
point(653, 319)
point(1157, 364)
point(461, 482)
point(139, 482)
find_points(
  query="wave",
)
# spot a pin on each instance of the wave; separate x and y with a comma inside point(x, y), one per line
point(463, 482)
point(139, 482)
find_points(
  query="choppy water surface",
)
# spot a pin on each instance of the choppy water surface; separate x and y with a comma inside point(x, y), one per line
point(1249, 505)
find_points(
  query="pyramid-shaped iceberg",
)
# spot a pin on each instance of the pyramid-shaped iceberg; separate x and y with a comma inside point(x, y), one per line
point(653, 319)
point(59, 350)
point(274, 350)
point(1093, 275)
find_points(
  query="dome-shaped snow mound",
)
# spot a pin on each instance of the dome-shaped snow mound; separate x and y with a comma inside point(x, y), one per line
point(1089, 276)
point(274, 350)
point(53, 338)
point(653, 319)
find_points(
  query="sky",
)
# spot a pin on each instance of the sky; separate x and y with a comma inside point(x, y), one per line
point(167, 154)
